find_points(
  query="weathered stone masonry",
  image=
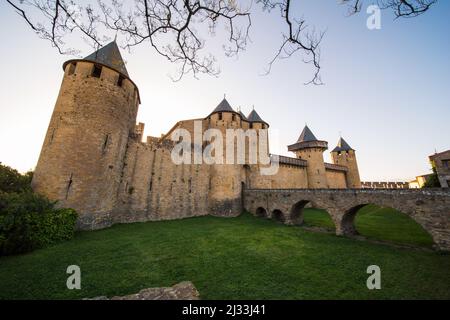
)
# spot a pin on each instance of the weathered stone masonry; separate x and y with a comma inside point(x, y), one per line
point(429, 208)
point(94, 160)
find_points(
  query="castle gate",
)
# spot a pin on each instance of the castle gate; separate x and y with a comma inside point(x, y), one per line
point(430, 208)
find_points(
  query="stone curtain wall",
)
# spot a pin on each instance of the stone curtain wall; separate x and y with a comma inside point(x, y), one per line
point(154, 188)
point(429, 208)
point(336, 179)
point(384, 185)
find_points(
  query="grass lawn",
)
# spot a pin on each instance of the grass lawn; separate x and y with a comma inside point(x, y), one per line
point(226, 258)
point(377, 223)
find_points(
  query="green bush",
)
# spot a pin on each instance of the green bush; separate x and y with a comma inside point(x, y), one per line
point(29, 221)
point(12, 181)
point(432, 181)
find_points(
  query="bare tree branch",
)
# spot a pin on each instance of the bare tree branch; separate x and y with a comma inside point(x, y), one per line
point(401, 8)
point(170, 27)
point(296, 39)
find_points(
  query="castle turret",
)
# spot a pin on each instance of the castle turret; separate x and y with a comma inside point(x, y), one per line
point(344, 155)
point(309, 148)
point(225, 183)
point(223, 116)
point(256, 121)
point(81, 160)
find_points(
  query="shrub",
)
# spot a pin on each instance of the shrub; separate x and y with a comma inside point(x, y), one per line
point(12, 181)
point(432, 181)
point(29, 221)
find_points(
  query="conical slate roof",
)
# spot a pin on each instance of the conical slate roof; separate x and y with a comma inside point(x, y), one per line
point(306, 135)
point(307, 140)
point(243, 117)
point(109, 56)
point(223, 106)
point(342, 145)
point(254, 117)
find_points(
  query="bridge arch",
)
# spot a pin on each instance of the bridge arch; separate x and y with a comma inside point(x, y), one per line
point(319, 210)
point(278, 215)
point(429, 208)
point(348, 223)
point(261, 212)
point(296, 213)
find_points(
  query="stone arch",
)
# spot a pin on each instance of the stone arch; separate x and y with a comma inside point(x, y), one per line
point(278, 215)
point(297, 217)
point(296, 213)
point(347, 223)
point(261, 212)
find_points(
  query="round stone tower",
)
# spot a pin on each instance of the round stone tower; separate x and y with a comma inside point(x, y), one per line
point(310, 149)
point(225, 181)
point(344, 155)
point(82, 156)
point(262, 154)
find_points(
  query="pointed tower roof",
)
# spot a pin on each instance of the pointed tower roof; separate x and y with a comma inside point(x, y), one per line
point(223, 106)
point(109, 56)
point(253, 116)
point(243, 117)
point(342, 145)
point(306, 135)
point(307, 140)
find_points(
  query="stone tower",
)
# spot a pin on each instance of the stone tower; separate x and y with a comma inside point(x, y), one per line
point(82, 157)
point(344, 155)
point(310, 149)
point(225, 181)
point(257, 124)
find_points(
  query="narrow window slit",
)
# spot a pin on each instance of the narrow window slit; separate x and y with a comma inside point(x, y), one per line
point(96, 71)
point(52, 136)
point(120, 81)
point(105, 143)
point(69, 184)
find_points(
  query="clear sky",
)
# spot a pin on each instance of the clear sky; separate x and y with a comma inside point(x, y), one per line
point(387, 90)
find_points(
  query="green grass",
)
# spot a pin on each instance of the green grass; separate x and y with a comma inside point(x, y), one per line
point(377, 223)
point(318, 218)
point(390, 225)
point(226, 258)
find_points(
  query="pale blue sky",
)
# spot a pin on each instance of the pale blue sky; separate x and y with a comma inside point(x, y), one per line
point(386, 90)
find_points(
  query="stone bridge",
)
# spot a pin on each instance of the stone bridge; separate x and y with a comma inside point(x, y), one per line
point(430, 208)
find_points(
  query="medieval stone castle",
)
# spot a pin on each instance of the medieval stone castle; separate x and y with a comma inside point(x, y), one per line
point(94, 160)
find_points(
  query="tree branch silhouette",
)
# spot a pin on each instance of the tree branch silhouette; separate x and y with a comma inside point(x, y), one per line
point(170, 27)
